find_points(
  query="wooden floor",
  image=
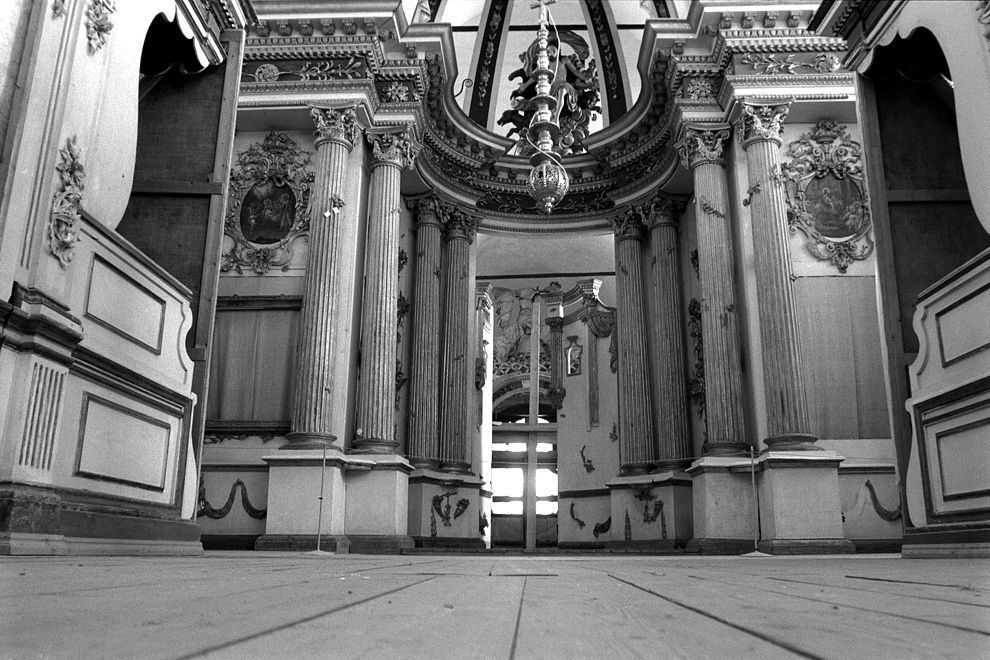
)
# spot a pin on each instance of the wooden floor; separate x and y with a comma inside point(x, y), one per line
point(275, 605)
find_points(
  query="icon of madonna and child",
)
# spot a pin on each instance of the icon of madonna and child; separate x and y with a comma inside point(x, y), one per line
point(834, 207)
point(268, 212)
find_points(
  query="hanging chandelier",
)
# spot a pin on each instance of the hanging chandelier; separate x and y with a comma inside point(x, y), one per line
point(548, 180)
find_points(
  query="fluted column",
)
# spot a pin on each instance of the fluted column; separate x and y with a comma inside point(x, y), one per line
point(312, 402)
point(788, 421)
point(637, 447)
point(375, 432)
point(555, 320)
point(424, 390)
point(671, 414)
point(458, 303)
point(701, 151)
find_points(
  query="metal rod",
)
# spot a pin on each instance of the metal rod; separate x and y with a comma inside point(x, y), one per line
point(319, 518)
point(756, 502)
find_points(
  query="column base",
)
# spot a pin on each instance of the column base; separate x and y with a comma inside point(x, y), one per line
point(377, 487)
point(635, 469)
point(651, 511)
point(302, 543)
point(451, 543)
point(456, 468)
point(303, 440)
point(374, 446)
point(725, 449)
point(792, 442)
point(294, 479)
point(671, 465)
point(380, 544)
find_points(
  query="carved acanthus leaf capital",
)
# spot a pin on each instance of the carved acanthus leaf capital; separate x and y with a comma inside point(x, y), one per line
point(458, 224)
point(763, 120)
point(335, 125)
point(428, 212)
point(397, 149)
point(701, 144)
point(630, 223)
point(663, 211)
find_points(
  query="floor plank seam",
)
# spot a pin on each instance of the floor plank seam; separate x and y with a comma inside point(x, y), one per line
point(515, 631)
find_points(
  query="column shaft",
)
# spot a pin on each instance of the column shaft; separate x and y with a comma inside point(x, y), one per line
point(458, 299)
point(701, 148)
point(673, 428)
point(375, 423)
point(424, 391)
point(788, 421)
point(637, 448)
point(312, 403)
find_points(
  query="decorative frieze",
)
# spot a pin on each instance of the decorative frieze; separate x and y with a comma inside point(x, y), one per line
point(63, 230)
point(775, 63)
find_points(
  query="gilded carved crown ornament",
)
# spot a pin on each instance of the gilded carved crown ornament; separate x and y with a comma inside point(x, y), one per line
point(763, 120)
point(702, 145)
point(396, 149)
point(335, 124)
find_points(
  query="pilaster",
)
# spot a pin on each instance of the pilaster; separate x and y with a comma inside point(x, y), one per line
point(392, 151)
point(637, 448)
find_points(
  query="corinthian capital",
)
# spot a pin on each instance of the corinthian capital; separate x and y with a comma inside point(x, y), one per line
point(630, 224)
point(458, 224)
point(702, 143)
point(396, 149)
point(428, 211)
point(663, 211)
point(763, 120)
point(334, 125)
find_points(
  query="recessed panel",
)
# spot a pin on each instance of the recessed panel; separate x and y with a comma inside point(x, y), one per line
point(124, 307)
point(122, 445)
point(964, 457)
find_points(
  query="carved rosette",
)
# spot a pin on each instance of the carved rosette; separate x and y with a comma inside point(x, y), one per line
point(763, 120)
point(334, 125)
point(395, 149)
point(98, 23)
point(826, 197)
point(702, 144)
point(268, 198)
point(63, 230)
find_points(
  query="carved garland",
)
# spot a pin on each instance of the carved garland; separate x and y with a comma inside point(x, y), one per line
point(826, 197)
point(98, 24)
point(63, 230)
point(268, 205)
point(207, 510)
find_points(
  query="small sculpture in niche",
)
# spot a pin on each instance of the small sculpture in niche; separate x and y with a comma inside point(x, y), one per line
point(825, 195)
point(573, 353)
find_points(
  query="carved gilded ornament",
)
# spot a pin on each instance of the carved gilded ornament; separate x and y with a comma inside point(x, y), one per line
point(699, 88)
point(335, 125)
point(63, 225)
point(396, 149)
point(428, 211)
point(768, 64)
point(98, 24)
point(763, 120)
point(268, 205)
point(826, 197)
point(662, 211)
point(338, 68)
point(458, 224)
point(702, 145)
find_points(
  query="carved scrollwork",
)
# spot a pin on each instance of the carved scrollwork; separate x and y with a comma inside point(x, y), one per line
point(589, 465)
point(580, 523)
point(337, 68)
point(602, 527)
point(268, 205)
point(98, 24)
point(63, 229)
point(826, 196)
point(768, 64)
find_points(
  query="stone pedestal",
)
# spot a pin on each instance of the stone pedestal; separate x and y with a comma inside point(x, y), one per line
point(800, 510)
point(376, 509)
point(724, 506)
point(435, 498)
point(293, 501)
point(651, 512)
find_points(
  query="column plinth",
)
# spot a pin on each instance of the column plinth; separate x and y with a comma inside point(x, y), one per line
point(458, 299)
point(424, 390)
point(701, 151)
point(636, 442)
point(311, 403)
point(788, 421)
point(672, 425)
point(375, 419)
